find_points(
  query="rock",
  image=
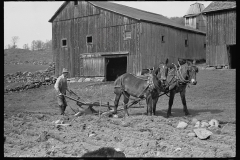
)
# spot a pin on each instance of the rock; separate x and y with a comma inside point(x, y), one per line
point(214, 123)
point(47, 79)
point(204, 124)
point(58, 121)
point(115, 116)
point(197, 125)
point(182, 125)
point(87, 80)
point(80, 80)
point(202, 133)
point(191, 134)
point(194, 121)
point(178, 149)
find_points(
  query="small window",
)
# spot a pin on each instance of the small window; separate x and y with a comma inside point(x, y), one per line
point(163, 39)
point(204, 45)
point(89, 40)
point(127, 35)
point(186, 43)
point(197, 26)
point(75, 3)
point(64, 42)
point(187, 20)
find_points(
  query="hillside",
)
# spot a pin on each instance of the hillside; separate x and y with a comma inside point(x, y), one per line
point(23, 56)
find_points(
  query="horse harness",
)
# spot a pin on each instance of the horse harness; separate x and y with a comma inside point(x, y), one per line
point(177, 78)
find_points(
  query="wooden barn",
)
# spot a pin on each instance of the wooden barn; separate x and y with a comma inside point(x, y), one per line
point(194, 17)
point(104, 39)
point(221, 34)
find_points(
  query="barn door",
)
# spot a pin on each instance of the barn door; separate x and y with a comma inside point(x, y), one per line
point(231, 49)
point(81, 67)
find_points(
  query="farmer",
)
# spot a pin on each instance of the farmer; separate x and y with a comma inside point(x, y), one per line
point(61, 87)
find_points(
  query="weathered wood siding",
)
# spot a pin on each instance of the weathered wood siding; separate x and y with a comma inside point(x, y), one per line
point(201, 20)
point(153, 51)
point(221, 31)
point(106, 28)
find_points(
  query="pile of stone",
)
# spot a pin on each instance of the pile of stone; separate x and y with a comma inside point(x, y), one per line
point(28, 80)
point(200, 128)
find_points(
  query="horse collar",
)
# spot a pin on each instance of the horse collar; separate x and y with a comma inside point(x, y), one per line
point(150, 83)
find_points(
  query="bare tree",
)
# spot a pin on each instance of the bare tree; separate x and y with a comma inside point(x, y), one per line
point(14, 41)
point(39, 45)
point(33, 45)
point(25, 46)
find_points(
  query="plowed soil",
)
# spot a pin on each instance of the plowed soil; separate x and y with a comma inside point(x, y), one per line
point(30, 130)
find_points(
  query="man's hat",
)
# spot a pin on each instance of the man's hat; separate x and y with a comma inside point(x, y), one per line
point(64, 70)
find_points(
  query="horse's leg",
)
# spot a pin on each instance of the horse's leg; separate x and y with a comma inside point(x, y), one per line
point(116, 101)
point(155, 100)
point(170, 103)
point(182, 94)
point(149, 101)
point(126, 99)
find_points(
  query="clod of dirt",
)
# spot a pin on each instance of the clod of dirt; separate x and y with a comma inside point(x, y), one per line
point(182, 125)
point(226, 129)
point(202, 133)
point(43, 137)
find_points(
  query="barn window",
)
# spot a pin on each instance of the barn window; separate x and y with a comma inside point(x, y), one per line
point(186, 43)
point(163, 39)
point(127, 35)
point(64, 42)
point(187, 20)
point(89, 40)
point(75, 3)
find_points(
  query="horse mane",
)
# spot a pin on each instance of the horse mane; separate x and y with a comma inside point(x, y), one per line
point(156, 81)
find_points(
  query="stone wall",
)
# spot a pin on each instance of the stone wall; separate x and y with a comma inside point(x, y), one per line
point(27, 80)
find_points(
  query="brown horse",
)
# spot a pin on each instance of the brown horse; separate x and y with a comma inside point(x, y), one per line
point(177, 80)
point(149, 88)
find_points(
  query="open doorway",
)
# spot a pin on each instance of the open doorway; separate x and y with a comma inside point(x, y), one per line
point(115, 67)
point(232, 56)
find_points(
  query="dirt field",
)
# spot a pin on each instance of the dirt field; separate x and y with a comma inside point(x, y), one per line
point(30, 131)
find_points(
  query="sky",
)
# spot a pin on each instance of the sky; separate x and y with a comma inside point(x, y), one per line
point(29, 20)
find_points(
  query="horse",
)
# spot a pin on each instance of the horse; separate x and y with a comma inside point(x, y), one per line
point(139, 87)
point(178, 77)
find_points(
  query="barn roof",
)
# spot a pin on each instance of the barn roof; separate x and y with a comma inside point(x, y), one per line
point(133, 13)
point(194, 9)
point(220, 5)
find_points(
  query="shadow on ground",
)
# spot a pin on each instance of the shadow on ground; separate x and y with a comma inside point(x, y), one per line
point(178, 112)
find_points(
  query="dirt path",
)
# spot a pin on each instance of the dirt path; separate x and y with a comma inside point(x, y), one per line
point(30, 130)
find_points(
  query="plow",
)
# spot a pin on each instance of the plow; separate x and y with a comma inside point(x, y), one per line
point(80, 102)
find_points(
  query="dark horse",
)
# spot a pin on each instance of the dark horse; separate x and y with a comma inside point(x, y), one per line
point(148, 87)
point(177, 80)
